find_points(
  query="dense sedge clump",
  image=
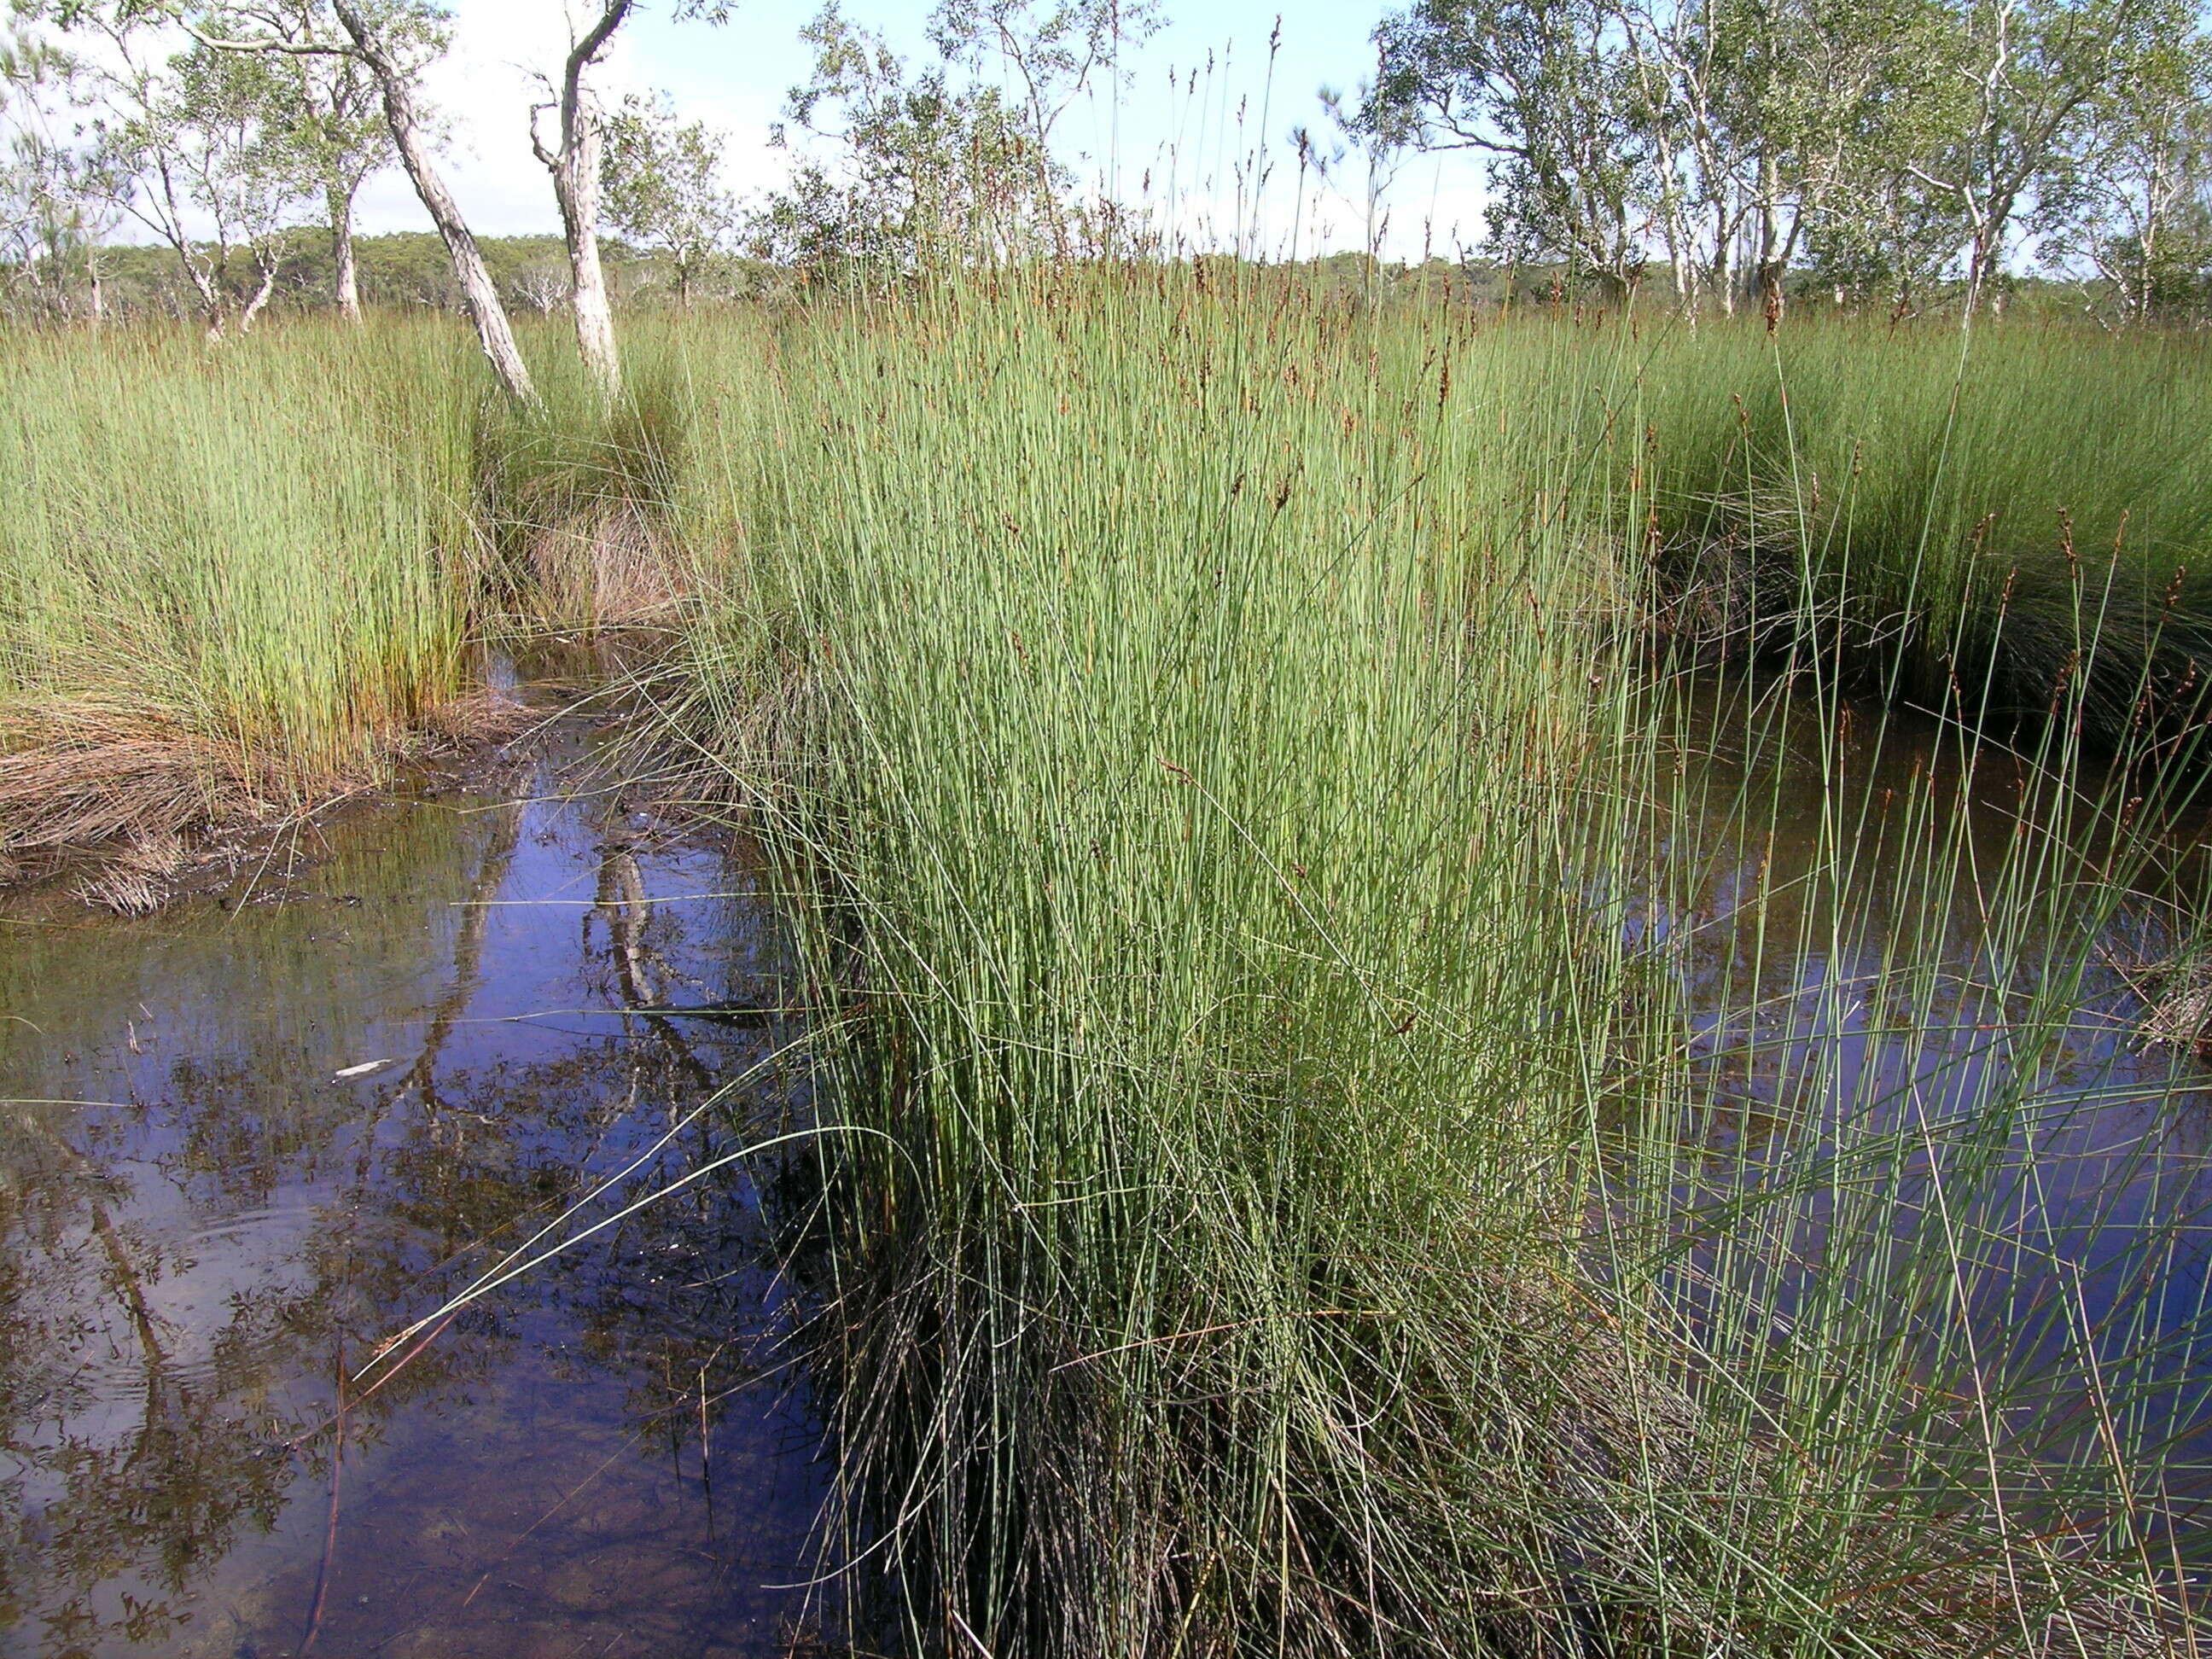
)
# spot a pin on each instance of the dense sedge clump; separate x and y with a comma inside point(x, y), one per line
point(2003, 526)
point(1374, 1104)
point(233, 579)
point(1227, 802)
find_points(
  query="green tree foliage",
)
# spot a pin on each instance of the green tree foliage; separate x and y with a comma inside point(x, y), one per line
point(327, 121)
point(217, 152)
point(663, 187)
point(58, 196)
point(953, 160)
point(915, 164)
point(1541, 87)
point(1884, 150)
point(2128, 198)
point(233, 116)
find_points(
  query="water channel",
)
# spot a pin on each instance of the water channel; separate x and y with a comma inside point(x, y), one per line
point(1921, 1085)
point(247, 1139)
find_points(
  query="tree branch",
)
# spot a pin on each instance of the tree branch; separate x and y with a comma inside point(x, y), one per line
point(546, 158)
point(287, 48)
point(586, 50)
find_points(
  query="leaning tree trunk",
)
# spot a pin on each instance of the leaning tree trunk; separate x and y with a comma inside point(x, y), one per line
point(206, 278)
point(478, 292)
point(346, 282)
point(208, 285)
point(266, 264)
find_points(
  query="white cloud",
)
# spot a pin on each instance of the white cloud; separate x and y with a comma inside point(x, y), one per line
point(483, 90)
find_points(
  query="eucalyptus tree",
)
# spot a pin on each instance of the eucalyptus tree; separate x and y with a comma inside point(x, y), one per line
point(59, 196)
point(1856, 96)
point(36, 223)
point(181, 137)
point(662, 186)
point(1549, 91)
point(1725, 131)
point(915, 166)
point(2028, 75)
point(327, 111)
point(246, 178)
point(2128, 200)
point(1677, 75)
point(1801, 84)
point(393, 41)
point(1996, 121)
point(1890, 241)
point(1049, 53)
point(951, 158)
point(574, 163)
point(1887, 144)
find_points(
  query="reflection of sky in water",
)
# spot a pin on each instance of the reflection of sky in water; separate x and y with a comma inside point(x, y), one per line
point(185, 1269)
point(1946, 1124)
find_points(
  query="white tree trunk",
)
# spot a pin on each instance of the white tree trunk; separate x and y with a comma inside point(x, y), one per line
point(204, 276)
point(1678, 261)
point(1771, 255)
point(575, 170)
point(478, 292)
point(345, 284)
point(205, 284)
point(261, 293)
point(576, 184)
point(1723, 274)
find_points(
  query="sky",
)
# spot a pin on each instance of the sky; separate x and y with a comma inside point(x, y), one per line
point(735, 76)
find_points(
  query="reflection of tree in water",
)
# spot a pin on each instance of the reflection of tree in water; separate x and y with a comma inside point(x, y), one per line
point(147, 1474)
point(147, 1442)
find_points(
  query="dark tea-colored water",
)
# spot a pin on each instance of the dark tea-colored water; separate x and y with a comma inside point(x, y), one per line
point(247, 1140)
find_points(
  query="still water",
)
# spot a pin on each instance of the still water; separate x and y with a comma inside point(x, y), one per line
point(1912, 984)
point(246, 1141)
point(212, 1216)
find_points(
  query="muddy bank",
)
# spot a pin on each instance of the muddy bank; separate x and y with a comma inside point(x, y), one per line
point(129, 828)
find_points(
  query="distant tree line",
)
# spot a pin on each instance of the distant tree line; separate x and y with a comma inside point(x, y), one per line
point(203, 157)
point(1893, 153)
point(410, 269)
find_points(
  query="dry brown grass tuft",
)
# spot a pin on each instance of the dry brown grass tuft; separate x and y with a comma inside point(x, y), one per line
point(608, 569)
point(133, 878)
point(100, 769)
point(116, 792)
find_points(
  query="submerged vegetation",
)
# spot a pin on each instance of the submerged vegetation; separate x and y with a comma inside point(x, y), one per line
point(1424, 1071)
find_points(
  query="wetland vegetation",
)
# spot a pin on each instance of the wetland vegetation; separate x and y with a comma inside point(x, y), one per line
point(1313, 968)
